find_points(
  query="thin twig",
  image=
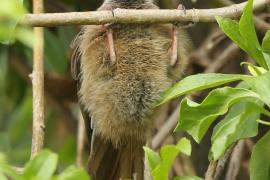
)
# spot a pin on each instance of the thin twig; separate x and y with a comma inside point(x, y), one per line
point(211, 170)
point(38, 85)
point(222, 162)
point(201, 55)
point(166, 129)
point(178, 167)
point(223, 58)
point(137, 16)
point(216, 168)
point(235, 161)
point(188, 165)
point(80, 141)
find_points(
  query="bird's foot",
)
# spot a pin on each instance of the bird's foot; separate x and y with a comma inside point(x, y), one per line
point(181, 25)
point(174, 48)
point(174, 55)
point(174, 51)
point(182, 7)
point(110, 43)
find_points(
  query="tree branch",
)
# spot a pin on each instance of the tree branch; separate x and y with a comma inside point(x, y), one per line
point(222, 162)
point(235, 161)
point(211, 170)
point(38, 85)
point(137, 16)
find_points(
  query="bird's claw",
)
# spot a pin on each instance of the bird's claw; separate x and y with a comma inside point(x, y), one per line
point(174, 50)
point(182, 7)
point(110, 43)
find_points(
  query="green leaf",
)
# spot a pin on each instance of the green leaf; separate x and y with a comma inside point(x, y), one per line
point(266, 48)
point(56, 47)
point(152, 157)
point(55, 53)
point(7, 171)
point(231, 29)
point(261, 85)
point(2, 177)
point(244, 34)
point(246, 25)
point(20, 117)
point(10, 13)
point(196, 118)
point(254, 70)
point(12, 8)
point(198, 82)
point(168, 154)
point(66, 35)
point(25, 35)
point(187, 178)
point(72, 173)
point(260, 159)
point(266, 42)
point(5, 144)
point(239, 123)
point(42, 166)
point(3, 68)
point(184, 146)
point(160, 165)
point(3, 158)
point(267, 58)
point(248, 33)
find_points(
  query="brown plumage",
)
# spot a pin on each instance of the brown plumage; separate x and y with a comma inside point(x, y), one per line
point(117, 99)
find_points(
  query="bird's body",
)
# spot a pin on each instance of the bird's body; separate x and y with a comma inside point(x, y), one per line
point(119, 97)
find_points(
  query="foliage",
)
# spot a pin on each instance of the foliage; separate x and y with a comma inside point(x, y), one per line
point(198, 82)
point(160, 164)
point(11, 12)
point(16, 42)
point(244, 35)
point(260, 159)
point(215, 104)
point(56, 44)
point(41, 167)
point(243, 104)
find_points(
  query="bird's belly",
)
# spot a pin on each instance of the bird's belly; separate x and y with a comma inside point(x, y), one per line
point(121, 96)
point(123, 108)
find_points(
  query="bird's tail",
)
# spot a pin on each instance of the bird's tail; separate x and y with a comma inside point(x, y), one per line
point(109, 162)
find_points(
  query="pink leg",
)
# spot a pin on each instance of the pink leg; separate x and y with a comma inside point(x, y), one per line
point(110, 43)
point(174, 47)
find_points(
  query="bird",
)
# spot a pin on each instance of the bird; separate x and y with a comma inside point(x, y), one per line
point(121, 71)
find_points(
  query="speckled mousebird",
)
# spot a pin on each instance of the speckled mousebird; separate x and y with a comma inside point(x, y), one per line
point(121, 71)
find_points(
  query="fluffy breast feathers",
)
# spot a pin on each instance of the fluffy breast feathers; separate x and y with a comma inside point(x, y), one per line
point(121, 96)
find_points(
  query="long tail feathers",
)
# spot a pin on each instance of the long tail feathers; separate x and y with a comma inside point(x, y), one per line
point(110, 163)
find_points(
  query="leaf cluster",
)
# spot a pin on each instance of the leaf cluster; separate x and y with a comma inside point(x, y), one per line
point(41, 167)
point(242, 105)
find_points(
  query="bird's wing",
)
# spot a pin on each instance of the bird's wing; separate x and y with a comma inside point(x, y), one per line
point(75, 72)
point(89, 33)
point(76, 55)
